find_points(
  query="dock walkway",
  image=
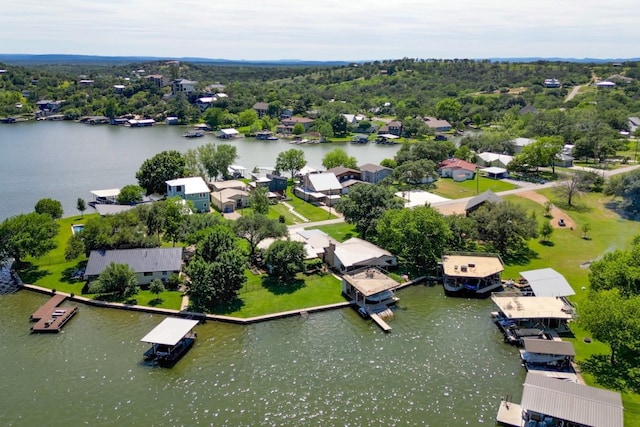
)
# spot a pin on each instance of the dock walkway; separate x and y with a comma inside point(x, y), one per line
point(55, 320)
point(383, 325)
point(48, 307)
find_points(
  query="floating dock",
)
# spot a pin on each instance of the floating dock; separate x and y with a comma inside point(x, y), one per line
point(509, 414)
point(383, 325)
point(50, 317)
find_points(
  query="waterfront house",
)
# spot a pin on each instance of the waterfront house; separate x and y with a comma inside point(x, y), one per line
point(344, 174)
point(193, 189)
point(318, 187)
point(373, 174)
point(550, 402)
point(205, 102)
point(392, 128)
point(356, 253)
point(437, 124)
point(261, 108)
point(147, 263)
point(459, 170)
point(286, 125)
point(475, 274)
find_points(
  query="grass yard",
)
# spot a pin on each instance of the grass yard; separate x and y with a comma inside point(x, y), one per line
point(447, 187)
point(312, 213)
point(340, 232)
point(261, 296)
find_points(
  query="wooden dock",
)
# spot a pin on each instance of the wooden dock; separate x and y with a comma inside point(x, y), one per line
point(384, 325)
point(50, 317)
point(48, 307)
point(509, 414)
point(55, 320)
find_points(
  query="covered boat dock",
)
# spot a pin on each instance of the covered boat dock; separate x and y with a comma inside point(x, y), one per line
point(170, 340)
point(372, 291)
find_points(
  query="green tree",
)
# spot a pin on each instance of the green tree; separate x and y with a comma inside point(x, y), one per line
point(448, 109)
point(339, 125)
point(130, 194)
point(291, 161)
point(74, 248)
point(612, 319)
point(298, 129)
point(51, 207)
point(162, 167)
point(505, 227)
point(285, 258)
point(248, 117)
point(81, 205)
point(156, 287)
point(619, 269)
point(417, 236)
point(117, 279)
point(31, 234)
point(546, 230)
point(259, 200)
point(214, 117)
point(175, 211)
point(464, 233)
point(256, 227)
point(339, 157)
point(217, 272)
point(578, 183)
point(224, 157)
point(365, 204)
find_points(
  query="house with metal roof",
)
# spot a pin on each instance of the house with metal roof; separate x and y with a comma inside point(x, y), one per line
point(356, 253)
point(318, 187)
point(519, 143)
point(193, 188)
point(147, 263)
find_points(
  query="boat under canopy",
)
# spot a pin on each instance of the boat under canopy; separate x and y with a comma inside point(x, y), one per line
point(170, 340)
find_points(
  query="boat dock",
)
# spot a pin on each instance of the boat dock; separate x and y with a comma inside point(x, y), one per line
point(383, 325)
point(48, 307)
point(509, 414)
point(50, 317)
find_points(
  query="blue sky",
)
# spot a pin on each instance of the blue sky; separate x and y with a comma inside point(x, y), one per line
point(324, 29)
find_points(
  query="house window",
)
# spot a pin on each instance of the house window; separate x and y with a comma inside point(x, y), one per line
point(148, 273)
point(164, 273)
point(179, 188)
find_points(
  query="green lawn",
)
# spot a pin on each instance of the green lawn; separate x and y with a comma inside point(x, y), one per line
point(261, 296)
point(312, 213)
point(340, 232)
point(447, 187)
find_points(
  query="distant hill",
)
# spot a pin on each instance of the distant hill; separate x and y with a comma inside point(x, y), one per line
point(62, 59)
point(53, 59)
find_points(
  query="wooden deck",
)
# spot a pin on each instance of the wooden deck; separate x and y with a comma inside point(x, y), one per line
point(48, 307)
point(384, 325)
point(510, 414)
point(55, 320)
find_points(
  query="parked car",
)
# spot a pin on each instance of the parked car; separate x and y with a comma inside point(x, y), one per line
point(561, 222)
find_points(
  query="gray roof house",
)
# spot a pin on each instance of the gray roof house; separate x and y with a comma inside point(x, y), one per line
point(148, 263)
point(373, 174)
point(482, 198)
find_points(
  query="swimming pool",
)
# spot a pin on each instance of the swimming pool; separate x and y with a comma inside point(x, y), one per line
point(76, 228)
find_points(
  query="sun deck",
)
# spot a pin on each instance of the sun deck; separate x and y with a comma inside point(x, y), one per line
point(48, 307)
point(471, 266)
point(520, 307)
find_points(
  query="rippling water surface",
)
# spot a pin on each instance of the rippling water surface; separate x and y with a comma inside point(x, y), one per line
point(443, 364)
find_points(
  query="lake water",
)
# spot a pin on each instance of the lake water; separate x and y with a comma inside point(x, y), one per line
point(443, 364)
point(65, 160)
